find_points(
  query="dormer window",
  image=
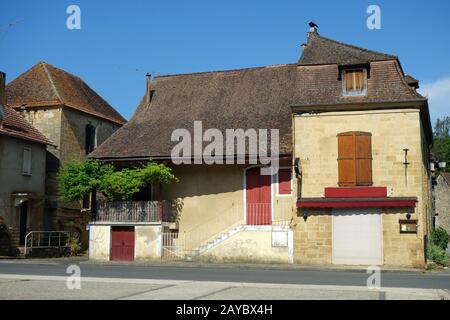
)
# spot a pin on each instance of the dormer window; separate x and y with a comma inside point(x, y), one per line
point(354, 82)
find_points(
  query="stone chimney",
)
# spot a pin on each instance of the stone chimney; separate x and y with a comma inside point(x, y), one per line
point(148, 89)
point(2, 96)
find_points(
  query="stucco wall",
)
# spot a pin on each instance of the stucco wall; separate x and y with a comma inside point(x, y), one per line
point(442, 202)
point(249, 246)
point(13, 181)
point(99, 242)
point(211, 199)
point(148, 242)
point(392, 131)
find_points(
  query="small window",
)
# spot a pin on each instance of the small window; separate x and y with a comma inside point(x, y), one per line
point(91, 139)
point(26, 161)
point(354, 82)
point(284, 182)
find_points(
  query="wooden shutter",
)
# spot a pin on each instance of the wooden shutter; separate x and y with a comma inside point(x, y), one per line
point(355, 159)
point(359, 80)
point(363, 159)
point(26, 161)
point(349, 81)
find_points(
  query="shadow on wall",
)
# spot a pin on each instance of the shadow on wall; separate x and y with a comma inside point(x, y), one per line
point(6, 247)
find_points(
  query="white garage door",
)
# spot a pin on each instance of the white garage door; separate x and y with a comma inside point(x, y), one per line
point(357, 236)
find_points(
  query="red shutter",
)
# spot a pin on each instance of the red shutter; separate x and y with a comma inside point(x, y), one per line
point(284, 181)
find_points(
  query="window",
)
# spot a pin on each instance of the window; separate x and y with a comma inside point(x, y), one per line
point(354, 83)
point(284, 184)
point(355, 159)
point(26, 161)
point(91, 139)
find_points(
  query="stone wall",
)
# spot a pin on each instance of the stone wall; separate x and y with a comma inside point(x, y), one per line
point(442, 202)
point(312, 237)
point(392, 131)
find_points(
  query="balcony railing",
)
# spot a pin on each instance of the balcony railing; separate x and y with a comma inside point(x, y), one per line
point(134, 211)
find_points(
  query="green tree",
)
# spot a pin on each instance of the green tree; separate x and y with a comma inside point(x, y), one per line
point(441, 143)
point(78, 178)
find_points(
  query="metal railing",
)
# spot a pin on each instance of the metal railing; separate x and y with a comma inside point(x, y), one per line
point(46, 239)
point(134, 211)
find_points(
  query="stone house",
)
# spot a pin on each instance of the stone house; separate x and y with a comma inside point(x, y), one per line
point(442, 201)
point(353, 185)
point(22, 174)
point(72, 115)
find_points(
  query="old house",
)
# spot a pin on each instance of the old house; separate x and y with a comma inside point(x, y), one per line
point(72, 115)
point(442, 201)
point(22, 173)
point(353, 185)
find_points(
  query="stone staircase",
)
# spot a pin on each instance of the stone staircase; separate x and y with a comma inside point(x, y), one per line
point(225, 235)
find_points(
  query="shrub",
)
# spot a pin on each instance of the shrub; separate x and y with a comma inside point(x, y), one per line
point(439, 237)
point(74, 245)
point(437, 254)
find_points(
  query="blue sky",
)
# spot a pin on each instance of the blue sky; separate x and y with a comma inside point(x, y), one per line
point(120, 41)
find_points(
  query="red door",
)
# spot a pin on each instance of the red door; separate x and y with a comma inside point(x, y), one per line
point(258, 197)
point(122, 243)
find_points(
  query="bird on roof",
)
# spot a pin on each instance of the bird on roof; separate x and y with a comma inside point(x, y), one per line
point(313, 25)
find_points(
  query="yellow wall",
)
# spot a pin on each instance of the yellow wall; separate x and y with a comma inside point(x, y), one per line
point(315, 143)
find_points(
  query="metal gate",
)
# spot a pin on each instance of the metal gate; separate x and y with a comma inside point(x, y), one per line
point(173, 246)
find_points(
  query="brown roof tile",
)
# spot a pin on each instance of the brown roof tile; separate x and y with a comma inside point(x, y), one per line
point(254, 98)
point(321, 50)
point(237, 99)
point(46, 85)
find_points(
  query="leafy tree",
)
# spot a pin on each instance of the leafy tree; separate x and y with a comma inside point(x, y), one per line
point(78, 178)
point(121, 185)
point(441, 148)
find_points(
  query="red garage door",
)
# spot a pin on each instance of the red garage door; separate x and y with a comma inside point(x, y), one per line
point(122, 243)
point(258, 197)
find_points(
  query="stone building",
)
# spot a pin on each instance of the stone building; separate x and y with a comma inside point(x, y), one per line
point(72, 115)
point(22, 175)
point(442, 201)
point(354, 180)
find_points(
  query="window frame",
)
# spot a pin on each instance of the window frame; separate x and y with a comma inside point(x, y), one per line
point(29, 165)
point(354, 93)
point(278, 182)
point(94, 138)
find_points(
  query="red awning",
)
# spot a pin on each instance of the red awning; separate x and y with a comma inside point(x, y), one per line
point(384, 202)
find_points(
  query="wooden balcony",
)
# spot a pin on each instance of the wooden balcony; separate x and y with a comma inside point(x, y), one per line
point(134, 211)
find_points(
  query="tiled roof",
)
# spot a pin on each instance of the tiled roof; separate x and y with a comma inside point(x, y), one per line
point(46, 85)
point(254, 98)
point(321, 50)
point(16, 126)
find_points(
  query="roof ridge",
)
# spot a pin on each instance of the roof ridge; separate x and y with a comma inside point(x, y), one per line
point(224, 71)
point(50, 79)
point(356, 47)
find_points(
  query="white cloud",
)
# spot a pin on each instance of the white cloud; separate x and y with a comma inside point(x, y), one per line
point(438, 93)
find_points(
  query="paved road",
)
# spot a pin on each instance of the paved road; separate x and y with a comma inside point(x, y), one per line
point(235, 274)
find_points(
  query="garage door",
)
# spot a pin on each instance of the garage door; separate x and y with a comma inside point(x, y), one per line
point(357, 236)
point(122, 243)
